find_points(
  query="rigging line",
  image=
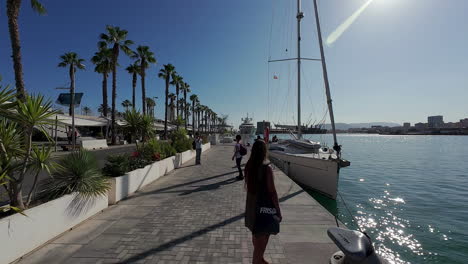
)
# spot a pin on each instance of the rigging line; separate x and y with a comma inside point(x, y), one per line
point(308, 85)
point(269, 57)
point(349, 212)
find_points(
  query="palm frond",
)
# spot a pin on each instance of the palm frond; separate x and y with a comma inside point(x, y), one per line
point(38, 7)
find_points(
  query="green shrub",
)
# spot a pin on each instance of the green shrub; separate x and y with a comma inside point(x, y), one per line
point(204, 139)
point(117, 165)
point(77, 172)
point(180, 141)
point(156, 150)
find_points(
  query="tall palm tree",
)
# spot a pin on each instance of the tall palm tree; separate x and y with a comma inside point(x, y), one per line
point(86, 110)
point(13, 8)
point(103, 61)
point(117, 39)
point(166, 73)
point(101, 109)
point(177, 80)
point(134, 70)
point(172, 97)
point(126, 104)
point(150, 105)
point(186, 89)
point(144, 57)
point(71, 60)
point(194, 99)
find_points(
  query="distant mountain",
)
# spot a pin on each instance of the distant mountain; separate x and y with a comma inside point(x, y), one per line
point(346, 126)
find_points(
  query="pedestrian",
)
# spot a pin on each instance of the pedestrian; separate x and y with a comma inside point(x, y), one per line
point(198, 149)
point(238, 156)
point(69, 135)
point(262, 211)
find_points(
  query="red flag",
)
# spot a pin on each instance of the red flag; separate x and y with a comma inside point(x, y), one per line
point(275, 77)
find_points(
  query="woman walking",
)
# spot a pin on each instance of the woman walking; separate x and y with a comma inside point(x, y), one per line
point(262, 211)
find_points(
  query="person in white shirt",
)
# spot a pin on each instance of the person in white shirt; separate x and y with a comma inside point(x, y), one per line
point(238, 156)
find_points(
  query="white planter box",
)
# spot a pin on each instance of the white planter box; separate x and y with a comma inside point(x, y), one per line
point(206, 147)
point(167, 165)
point(22, 234)
point(132, 181)
point(187, 156)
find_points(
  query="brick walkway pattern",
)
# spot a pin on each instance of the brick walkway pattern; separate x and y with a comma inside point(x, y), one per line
point(192, 215)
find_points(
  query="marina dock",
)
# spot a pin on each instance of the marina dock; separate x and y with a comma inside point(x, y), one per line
point(195, 214)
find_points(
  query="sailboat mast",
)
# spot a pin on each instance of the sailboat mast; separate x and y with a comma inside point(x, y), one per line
point(299, 16)
point(325, 77)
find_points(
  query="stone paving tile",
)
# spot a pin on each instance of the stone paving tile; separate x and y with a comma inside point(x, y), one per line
point(192, 215)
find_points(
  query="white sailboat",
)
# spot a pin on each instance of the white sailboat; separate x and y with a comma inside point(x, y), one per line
point(309, 163)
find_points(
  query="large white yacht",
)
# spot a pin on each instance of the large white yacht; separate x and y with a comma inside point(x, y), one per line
point(247, 130)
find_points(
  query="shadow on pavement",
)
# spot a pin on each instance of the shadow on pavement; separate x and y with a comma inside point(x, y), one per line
point(164, 190)
point(194, 234)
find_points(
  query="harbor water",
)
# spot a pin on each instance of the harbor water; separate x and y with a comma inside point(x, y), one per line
point(409, 193)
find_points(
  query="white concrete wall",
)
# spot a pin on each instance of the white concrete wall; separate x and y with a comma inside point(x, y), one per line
point(132, 181)
point(21, 234)
point(206, 147)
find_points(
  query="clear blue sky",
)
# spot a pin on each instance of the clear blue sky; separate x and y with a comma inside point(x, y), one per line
point(402, 60)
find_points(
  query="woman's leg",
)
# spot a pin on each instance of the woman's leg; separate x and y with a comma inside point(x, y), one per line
point(260, 243)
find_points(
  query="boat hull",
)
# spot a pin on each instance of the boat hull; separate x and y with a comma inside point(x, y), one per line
point(320, 175)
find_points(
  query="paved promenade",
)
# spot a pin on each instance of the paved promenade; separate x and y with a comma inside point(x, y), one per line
point(194, 215)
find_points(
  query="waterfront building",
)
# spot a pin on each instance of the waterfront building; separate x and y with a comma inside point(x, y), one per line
point(406, 125)
point(435, 121)
point(464, 123)
point(261, 126)
point(420, 126)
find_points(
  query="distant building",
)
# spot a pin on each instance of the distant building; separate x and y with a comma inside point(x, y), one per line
point(435, 121)
point(406, 125)
point(261, 126)
point(420, 126)
point(464, 123)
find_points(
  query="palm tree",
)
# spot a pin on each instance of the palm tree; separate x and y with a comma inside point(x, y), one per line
point(186, 89)
point(71, 60)
point(86, 110)
point(177, 80)
point(13, 8)
point(133, 69)
point(117, 38)
point(150, 104)
point(126, 104)
point(172, 97)
point(144, 57)
point(101, 109)
point(194, 99)
point(166, 73)
point(103, 61)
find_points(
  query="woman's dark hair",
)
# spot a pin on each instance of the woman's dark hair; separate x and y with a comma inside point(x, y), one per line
point(238, 137)
point(255, 166)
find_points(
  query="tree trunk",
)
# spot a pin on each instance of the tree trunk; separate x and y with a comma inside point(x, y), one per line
point(143, 89)
point(33, 190)
point(165, 108)
point(193, 117)
point(185, 108)
point(114, 92)
point(104, 94)
point(13, 8)
point(72, 103)
point(134, 83)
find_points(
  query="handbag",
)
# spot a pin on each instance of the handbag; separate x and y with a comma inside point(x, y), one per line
point(266, 219)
